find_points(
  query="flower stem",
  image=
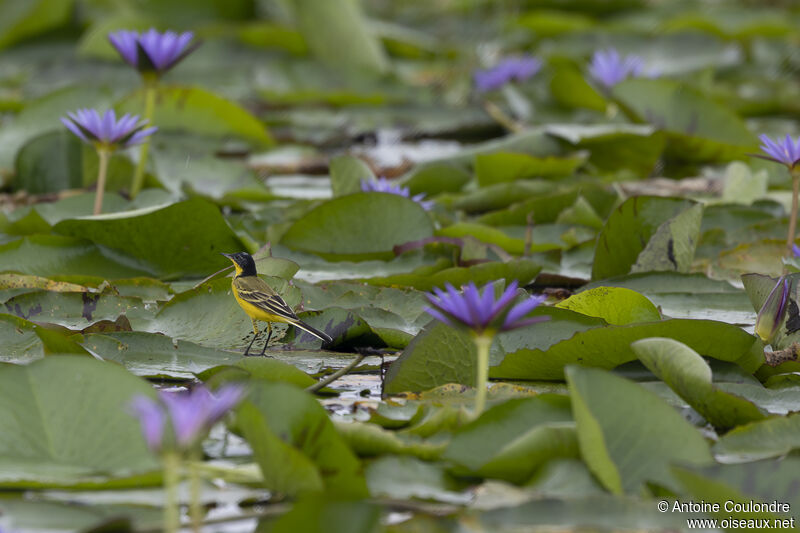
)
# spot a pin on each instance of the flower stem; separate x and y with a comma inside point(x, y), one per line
point(172, 477)
point(482, 343)
point(195, 486)
point(103, 155)
point(150, 89)
point(793, 215)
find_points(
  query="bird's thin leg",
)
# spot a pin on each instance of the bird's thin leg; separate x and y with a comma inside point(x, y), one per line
point(255, 334)
point(269, 336)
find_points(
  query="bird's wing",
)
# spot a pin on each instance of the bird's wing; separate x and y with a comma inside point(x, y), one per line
point(255, 291)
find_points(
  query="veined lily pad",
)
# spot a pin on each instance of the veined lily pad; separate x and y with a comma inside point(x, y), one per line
point(66, 423)
point(629, 436)
point(359, 226)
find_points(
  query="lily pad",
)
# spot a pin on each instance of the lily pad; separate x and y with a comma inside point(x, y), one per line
point(615, 147)
point(156, 356)
point(370, 440)
point(680, 295)
point(49, 163)
point(760, 481)
point(512, 440)
point(408, 477)
point(698, 128)
point(339, 35)
point(181, 168)
point(541, 208)
point(72, 310)
point(592, 511)
point(296, 444)
point(57, 516)
point(259, 368)
point(32, 18)
point(83, 432)
point(381, 307)
point(201, 112)
point(19, 339)
point(608, 347)
point(615, 305)
point(502, 167)
point(690, 377)
point(426, 278)
point(347, 173)
point(570, 89)
point(436, 178)
point(490, 235)
point(359, 226)
point(774, 437)
point(320, 514)
point(648, 233)
point(191, 247)
point(55, 255)
point(627, 435)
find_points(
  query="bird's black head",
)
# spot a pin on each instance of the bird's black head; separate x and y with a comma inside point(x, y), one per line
point(243, 262)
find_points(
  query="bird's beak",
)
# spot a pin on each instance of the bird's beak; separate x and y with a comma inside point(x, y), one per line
point(226, 255)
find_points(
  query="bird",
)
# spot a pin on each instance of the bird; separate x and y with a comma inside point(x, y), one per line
point(261, 302)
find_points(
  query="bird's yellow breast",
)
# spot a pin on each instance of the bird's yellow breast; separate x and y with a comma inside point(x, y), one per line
point(253, 311)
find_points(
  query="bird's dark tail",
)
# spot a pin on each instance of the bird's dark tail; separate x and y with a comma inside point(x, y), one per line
point(324, 337)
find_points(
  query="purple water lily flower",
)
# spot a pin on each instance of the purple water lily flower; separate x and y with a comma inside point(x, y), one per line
point(609, 68)
point(191, 414)
point(152, 51)
point(786, 151)
point(795, 250)
point(384, 185)
point(152, 418)
point(105, 129)
point(479, 311)
point(518, 68)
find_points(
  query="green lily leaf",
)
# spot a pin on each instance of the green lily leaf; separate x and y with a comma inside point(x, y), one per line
point(410, 478)
point(370, 440)
point(338, 34)
point(436, 178)
point(648, 233)
point(609, 347)
point(503, 167)
point(322, 514)
point(512, 440)
point(690, 377)
point(191, 247)
point(760, 481)
point(156, 356)
point(615, 305)
point(627, 435)
point(427, 277)
point(774, 437)
point(83, 434)
point(32, 18)
point(258, 368)
point(698, 129)
point(295, 443)
point(347, 173)
point(359, 226)
point(199, 111)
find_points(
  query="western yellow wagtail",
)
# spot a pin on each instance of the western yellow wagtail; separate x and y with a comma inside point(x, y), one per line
point(261, 302)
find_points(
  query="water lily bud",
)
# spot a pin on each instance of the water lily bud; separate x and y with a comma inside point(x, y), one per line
point(773, 312)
